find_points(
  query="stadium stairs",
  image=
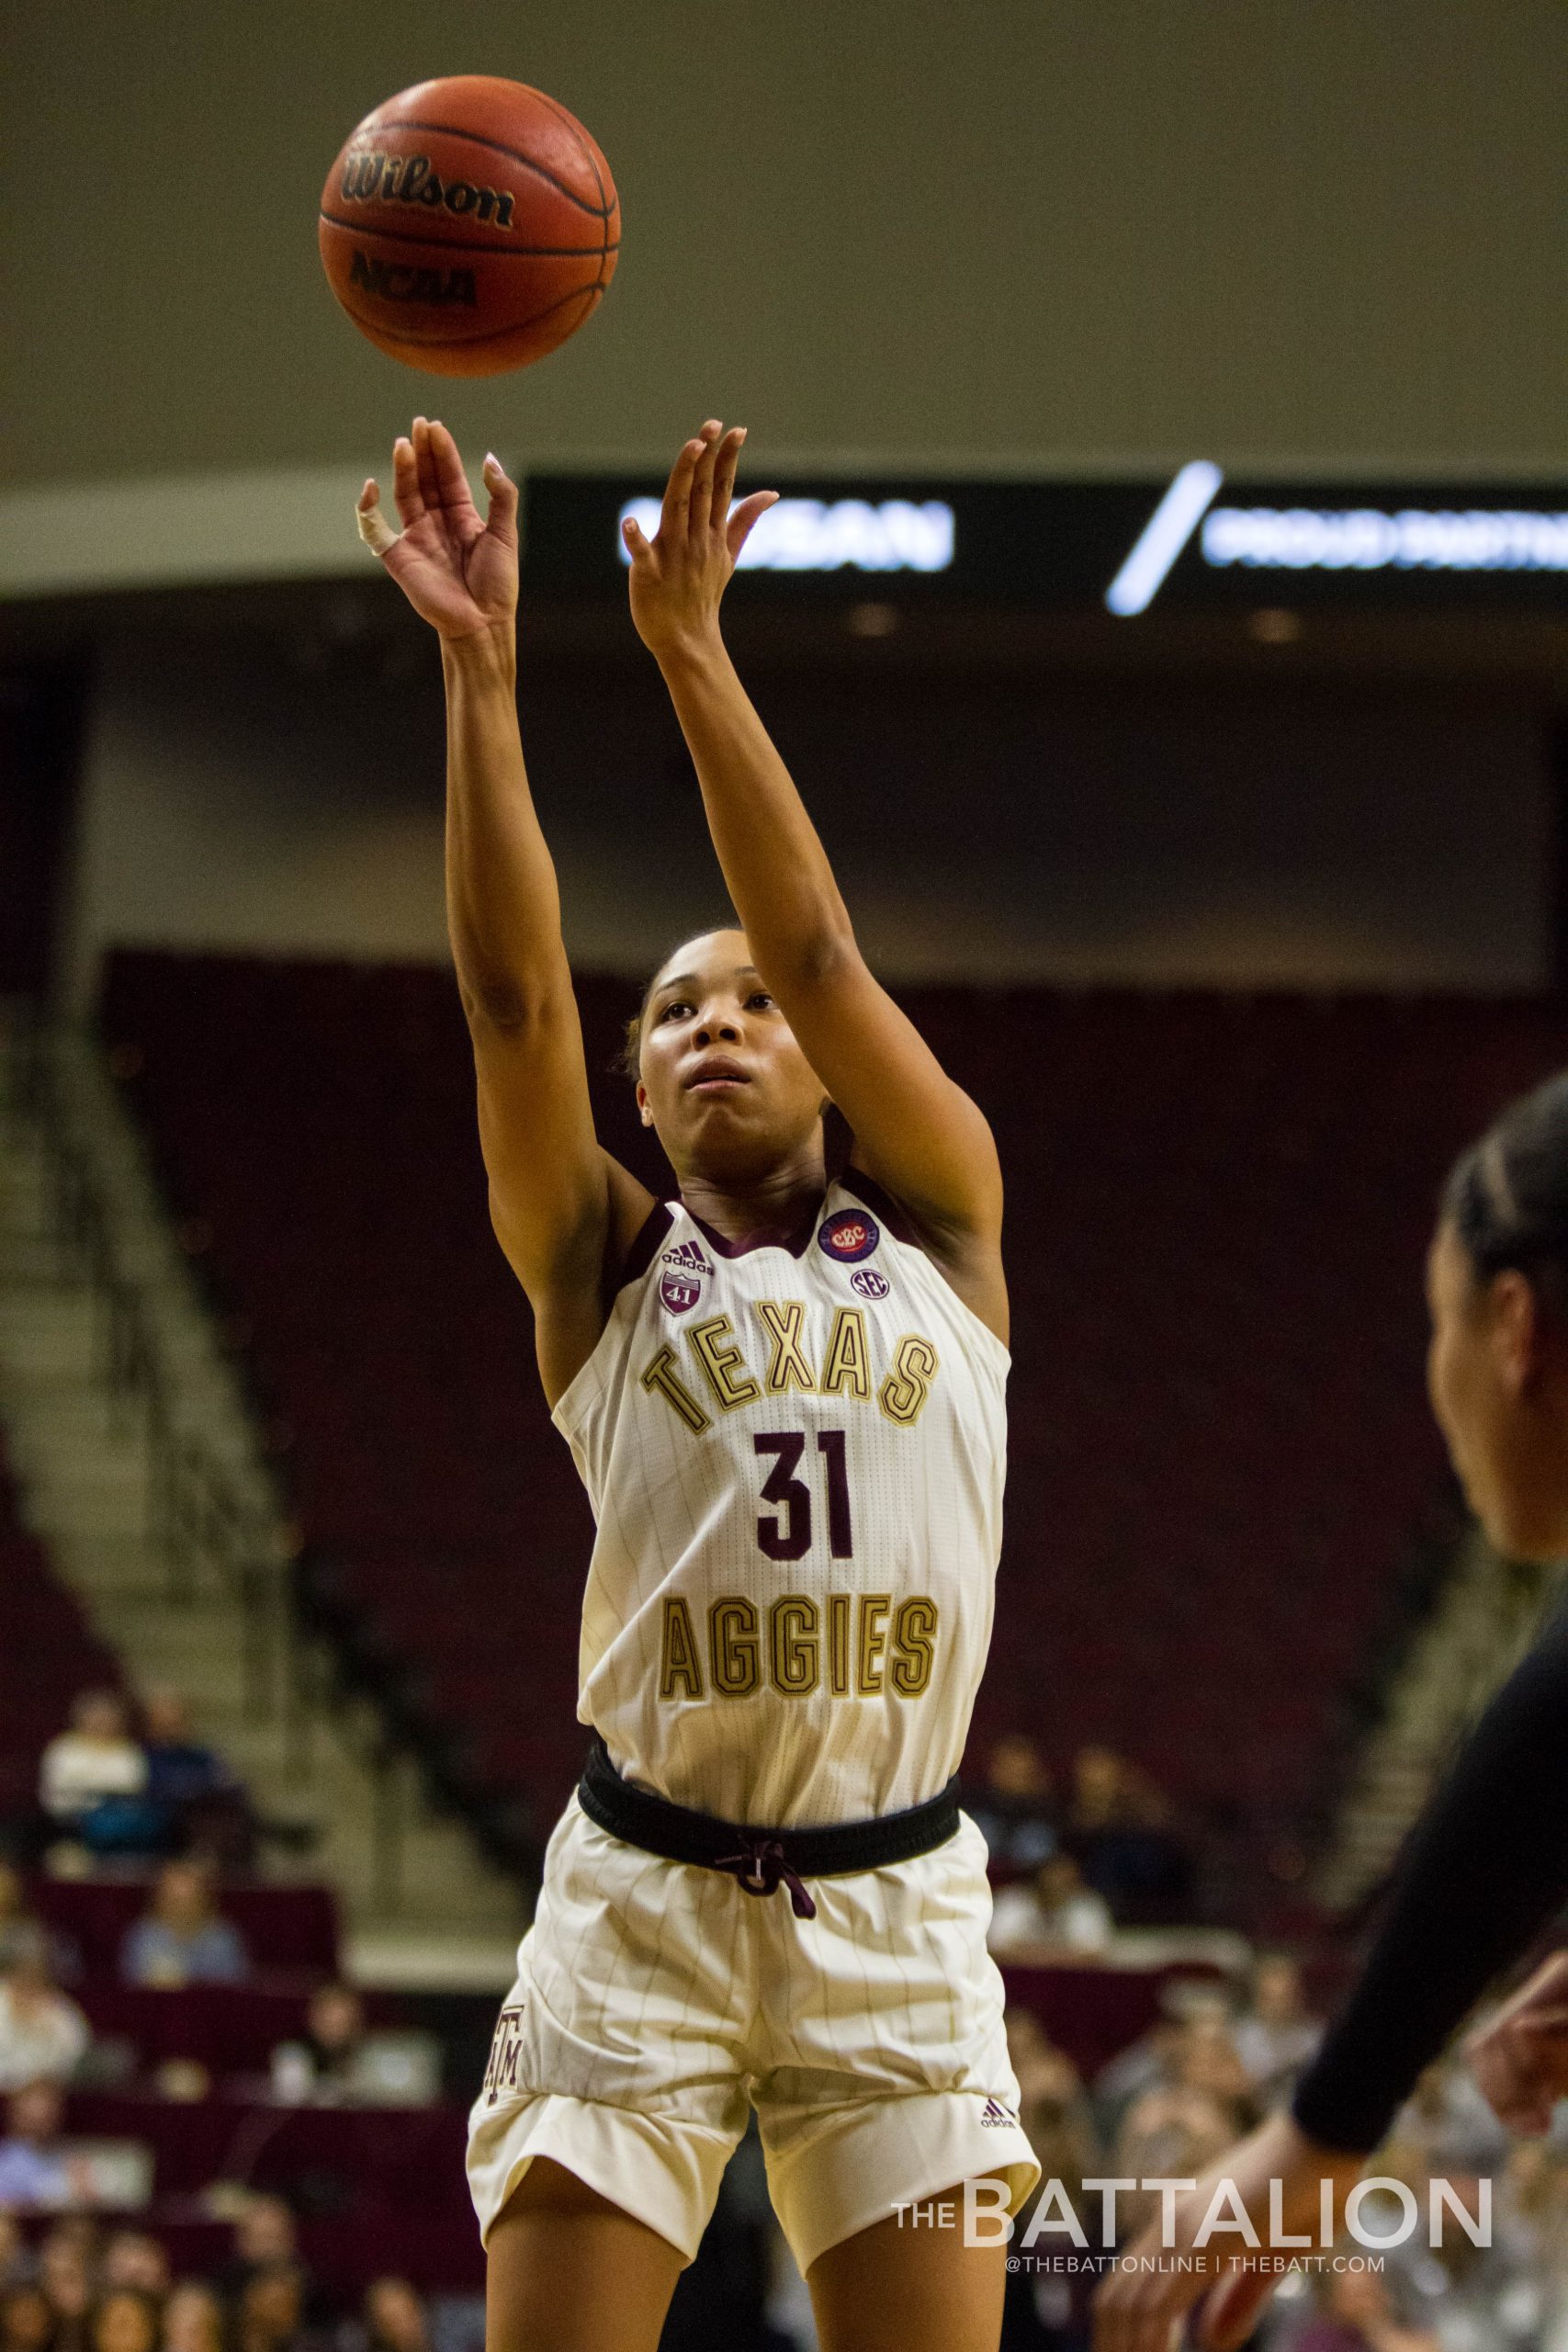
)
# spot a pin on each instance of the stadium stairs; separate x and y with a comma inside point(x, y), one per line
point(141, 1476)
point(1487, 1613)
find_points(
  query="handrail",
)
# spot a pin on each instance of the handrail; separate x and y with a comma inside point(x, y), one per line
point(207, 1529)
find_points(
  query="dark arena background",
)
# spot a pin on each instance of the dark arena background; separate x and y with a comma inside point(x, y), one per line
point(1168, 630)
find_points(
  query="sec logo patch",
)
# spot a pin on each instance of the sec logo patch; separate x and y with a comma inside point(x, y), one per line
point(849, 1237)
point(869, 1282)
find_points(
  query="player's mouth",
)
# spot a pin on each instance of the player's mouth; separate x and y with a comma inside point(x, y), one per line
point(714, 1075)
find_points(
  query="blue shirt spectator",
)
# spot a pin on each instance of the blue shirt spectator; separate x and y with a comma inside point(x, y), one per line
point(182, 1939)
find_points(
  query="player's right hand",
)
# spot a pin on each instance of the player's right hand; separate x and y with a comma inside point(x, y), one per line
point(1276, 2178)
point(1520, 2057)
point(458, 574)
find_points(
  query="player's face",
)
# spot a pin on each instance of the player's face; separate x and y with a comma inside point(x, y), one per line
point(1498, 1380)
point(723, 1081)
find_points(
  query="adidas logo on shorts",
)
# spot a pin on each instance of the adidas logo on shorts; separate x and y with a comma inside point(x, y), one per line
point(996, 2113)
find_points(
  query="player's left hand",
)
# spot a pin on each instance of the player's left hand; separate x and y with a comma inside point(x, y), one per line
point(1520, 2057)
point(679, 576)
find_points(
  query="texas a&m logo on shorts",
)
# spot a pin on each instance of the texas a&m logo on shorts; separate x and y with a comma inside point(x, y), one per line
point(500, 2074)
point(848, 1237)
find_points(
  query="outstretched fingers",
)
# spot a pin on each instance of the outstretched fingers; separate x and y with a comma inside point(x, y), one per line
point(406, 491)
point(678, 493)
point(724, 476)
point(425, 458)
point(451, 482)
point(700, 508)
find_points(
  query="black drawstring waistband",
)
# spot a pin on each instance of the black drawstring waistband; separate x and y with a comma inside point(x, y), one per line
point(761, 1860)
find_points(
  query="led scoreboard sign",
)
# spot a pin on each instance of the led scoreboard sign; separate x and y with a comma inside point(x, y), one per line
point(1194, 539)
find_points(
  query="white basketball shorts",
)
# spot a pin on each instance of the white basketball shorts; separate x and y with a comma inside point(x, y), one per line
point(656, 2000)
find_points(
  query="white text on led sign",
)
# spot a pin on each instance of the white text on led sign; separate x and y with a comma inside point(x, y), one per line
point(831, 535)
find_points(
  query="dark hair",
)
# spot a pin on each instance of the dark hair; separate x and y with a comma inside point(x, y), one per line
point(628, 1062)
point(1507, 1198)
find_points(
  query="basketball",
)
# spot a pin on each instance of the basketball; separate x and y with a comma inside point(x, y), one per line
point(469, 226)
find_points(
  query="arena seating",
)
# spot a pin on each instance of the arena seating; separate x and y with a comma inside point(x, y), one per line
point(48, 1654)
point(1222, 1461)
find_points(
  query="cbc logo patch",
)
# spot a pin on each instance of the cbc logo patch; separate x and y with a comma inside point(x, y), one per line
point(869, 1282)
point(849, 1237)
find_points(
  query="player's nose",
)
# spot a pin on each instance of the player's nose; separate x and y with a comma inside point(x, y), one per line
point(715, 1026)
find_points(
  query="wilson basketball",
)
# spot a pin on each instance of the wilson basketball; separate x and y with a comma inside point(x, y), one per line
point(469, 225)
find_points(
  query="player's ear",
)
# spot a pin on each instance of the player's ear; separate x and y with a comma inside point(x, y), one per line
point(645, 1108)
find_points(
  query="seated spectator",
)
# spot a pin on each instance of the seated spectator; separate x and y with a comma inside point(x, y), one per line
point(1054, 1919)
point(395, 2318)
point(123, 2320)
point(36, 2172)
point(133, 2260)
point(43, 2034)
point(67, 2267)
point(182, 1938)
point(93, 1782)
point(269, 2315)
point(340, 2060)
point(1276, 2036)
point(267, 2237)
point(27, 2319)
point(23, 1934)
point(1177, 2129)
point(205, 1804)
point(1119, 1825)
point(193, 2319)
point(1012, 1807)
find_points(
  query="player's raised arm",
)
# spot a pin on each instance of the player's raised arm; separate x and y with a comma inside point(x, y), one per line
point(561, 1207)
point(916, 1130)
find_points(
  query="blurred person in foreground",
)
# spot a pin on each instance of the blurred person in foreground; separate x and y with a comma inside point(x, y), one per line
point(1355, 2313)
point(182, 1938)
point(133, 2260)
point(193, 2319)
point(27, 2318)
point(269, 2312)
point(266, 2239)
point(1054, 1921)
point(123, 2320)
point(43, 2034)
point(395, 2318)
point(1487, 1864)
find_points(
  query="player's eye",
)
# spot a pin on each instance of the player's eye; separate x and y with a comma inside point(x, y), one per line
point(759, 996)
point(678, 1005)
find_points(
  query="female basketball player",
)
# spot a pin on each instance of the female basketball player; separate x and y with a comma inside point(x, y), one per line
point(1488, 1865)
point(785, 1397)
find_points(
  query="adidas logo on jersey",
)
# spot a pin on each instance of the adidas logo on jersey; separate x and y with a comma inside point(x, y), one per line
point(689, 1256)
point(995, 2113)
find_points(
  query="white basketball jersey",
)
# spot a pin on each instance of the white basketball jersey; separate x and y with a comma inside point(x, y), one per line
point(795, 1453)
